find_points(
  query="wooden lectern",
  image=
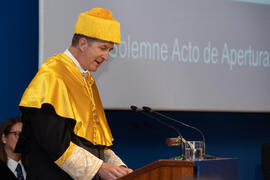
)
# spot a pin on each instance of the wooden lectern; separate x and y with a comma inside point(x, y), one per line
point(163, 170)
point(219, 168)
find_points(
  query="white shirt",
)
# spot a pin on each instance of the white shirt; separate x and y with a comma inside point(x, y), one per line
point(12, 165)
point(68, 53)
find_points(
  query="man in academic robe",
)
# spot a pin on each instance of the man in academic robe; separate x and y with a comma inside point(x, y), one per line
point(65, 126)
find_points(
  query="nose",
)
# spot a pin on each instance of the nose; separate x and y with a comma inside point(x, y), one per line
point(106, 56)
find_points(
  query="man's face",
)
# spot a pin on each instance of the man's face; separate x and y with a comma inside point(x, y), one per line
point(95, 53)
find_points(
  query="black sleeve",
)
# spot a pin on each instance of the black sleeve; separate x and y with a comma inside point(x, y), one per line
point(50, 131)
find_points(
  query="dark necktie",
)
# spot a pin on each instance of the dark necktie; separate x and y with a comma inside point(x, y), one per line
point(19, 172)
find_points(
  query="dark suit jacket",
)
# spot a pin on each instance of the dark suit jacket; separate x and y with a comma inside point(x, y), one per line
point(6, 173)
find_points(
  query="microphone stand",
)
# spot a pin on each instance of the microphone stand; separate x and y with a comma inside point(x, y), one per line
point(149, 110)
point(180, 137)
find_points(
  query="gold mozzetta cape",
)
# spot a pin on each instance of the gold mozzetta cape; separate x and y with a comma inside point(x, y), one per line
point(60, 83)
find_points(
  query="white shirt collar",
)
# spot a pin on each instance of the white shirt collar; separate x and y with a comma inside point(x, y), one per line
point(12, 165)
point(68, 53)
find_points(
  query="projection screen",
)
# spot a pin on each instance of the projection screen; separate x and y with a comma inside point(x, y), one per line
point(207, 55)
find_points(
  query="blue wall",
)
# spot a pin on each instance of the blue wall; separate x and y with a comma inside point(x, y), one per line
point(19, 52)
point(138, 140)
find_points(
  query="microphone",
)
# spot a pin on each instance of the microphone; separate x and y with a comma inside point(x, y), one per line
point(170, 141)
point(136, 109)
point(149, 110)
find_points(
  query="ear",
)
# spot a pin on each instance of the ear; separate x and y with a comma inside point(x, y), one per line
point(4, 139)
point(83, 44)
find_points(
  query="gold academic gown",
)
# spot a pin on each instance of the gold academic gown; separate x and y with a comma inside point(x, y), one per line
point(60, 84)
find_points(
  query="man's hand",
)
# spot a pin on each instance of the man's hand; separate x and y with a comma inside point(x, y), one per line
point(109, 171)
point(126, 169)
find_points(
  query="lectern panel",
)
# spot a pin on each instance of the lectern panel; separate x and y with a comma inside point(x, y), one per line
point(163, 170)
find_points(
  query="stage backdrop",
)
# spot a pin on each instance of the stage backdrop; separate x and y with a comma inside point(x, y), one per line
point(138, 140)
point(207, 55)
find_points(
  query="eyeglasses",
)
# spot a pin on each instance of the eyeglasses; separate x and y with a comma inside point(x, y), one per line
point(16, 133)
